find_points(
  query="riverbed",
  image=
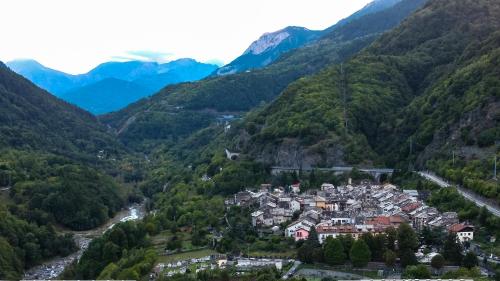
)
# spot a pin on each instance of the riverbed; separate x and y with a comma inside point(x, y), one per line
point(50, 269)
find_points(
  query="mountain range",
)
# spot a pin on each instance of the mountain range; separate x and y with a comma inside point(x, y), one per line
point(91, 92)
point(179, 110)
point(271, 46)
point(410, 84)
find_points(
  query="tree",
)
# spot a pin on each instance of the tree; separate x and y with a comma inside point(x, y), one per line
point(470, 260)
point(360, 253)
point(407, 238)
point(313, 238)
point(305, 253)
point(437, 262)
point(390, 258)
point(334, 252)
point(347, 242)
point(392, 236)
point(432, 236)
point(379, 247)
point(452, 250)
point(318, 255)
point(417, 272)
point(407, 257)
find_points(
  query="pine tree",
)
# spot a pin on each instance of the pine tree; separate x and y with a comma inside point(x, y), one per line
point(452, 249)
point(313, 239)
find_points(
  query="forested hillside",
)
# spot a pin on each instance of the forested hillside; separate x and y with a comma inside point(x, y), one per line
point(177, 110)
point(423, 90)
point(56, 163)
point(31, 118)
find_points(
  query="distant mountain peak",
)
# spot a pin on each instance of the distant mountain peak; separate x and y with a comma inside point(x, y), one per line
point(25, 64)
point(270, 40)
point(269, 47)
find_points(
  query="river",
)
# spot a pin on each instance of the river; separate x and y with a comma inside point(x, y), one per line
point(52, 268)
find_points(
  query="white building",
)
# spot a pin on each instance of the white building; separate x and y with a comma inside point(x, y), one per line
point(463, 231)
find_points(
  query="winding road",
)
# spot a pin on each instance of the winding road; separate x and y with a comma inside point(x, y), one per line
point(469, 195)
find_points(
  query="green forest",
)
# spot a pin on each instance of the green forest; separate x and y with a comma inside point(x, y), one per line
point(418, 91)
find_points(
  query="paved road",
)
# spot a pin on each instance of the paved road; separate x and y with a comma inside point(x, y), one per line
point(469, 195)
point(292, 270)
point(279, 169)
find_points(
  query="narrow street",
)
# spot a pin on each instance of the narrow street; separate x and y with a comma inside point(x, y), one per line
point(469, 195)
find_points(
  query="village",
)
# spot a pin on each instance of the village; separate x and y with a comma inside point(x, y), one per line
point(344, 210)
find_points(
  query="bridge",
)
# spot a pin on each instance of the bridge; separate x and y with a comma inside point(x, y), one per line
point(375, 172)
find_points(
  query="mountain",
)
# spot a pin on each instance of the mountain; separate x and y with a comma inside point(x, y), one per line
point(147, 78)
point(421, 93)
point(54, 162)
point(107, 95)
point(31, 118)
point(181, 70)
point(52, 80)
point(179, 110)
point(370, 8)
point(270, 47)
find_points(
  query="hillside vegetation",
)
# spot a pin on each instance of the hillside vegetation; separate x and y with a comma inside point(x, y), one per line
point(177, 110)
point(56, 163)
point(421, 91)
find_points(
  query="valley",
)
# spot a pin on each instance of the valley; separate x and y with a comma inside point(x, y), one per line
point(367, 149)
point(51, 269)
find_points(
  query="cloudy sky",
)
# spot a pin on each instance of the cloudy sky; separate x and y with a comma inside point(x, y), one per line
point(76, 35)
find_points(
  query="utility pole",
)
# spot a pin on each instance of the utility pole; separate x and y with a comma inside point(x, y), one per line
point(497, 143)
point(411, 146)
point(344, 95)
point(410, 165)
point(495, 169)
point(453, 156)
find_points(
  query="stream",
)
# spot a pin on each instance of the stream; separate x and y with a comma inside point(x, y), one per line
point(54, 267)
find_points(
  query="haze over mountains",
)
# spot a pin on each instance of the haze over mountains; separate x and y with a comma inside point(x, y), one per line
point(188, 107)
point(128, 81)
point(405, 84)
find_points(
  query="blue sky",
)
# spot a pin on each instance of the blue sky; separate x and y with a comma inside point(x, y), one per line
point(76, 35)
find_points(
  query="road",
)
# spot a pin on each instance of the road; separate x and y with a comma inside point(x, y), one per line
point(469, 195)
point(292, 270)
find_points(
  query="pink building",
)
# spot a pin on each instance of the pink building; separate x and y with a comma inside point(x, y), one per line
point(301, 234)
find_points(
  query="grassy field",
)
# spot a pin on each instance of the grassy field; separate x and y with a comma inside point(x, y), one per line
point(288, 254)
point(186, 255)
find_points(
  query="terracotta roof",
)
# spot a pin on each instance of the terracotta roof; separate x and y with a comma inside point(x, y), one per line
point(458, 227)
point(410, 207)
point(337, 229)
point(386, 220)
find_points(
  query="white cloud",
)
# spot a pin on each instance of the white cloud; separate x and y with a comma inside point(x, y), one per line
point(76, 35)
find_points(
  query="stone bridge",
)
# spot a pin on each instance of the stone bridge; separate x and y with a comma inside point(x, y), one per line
point(374, 172)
